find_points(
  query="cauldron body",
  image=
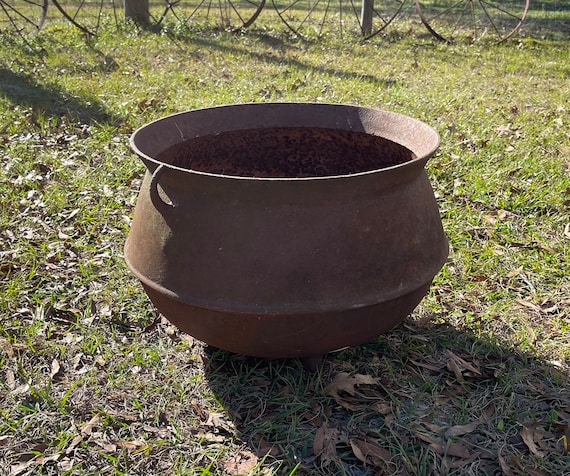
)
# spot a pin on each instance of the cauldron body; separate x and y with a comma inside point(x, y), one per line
point(241, 247)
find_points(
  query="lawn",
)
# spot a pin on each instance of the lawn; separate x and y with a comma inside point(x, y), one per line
point(95, 382)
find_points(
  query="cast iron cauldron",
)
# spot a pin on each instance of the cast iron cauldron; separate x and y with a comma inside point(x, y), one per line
point(285, 229)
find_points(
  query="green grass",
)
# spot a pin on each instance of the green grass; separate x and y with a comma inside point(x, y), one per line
point(476, 381)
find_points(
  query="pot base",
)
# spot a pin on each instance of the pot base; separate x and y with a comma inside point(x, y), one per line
point(287, 335)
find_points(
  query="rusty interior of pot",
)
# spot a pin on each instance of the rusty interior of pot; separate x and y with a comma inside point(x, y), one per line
point(286, 152)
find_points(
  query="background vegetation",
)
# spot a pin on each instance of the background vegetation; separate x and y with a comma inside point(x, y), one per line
point(476, 381)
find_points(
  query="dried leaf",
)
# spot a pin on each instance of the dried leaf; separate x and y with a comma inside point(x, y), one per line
point(369, 452)
point(219, 421)
point(55, 368)
point(66, 464)
point(459, 430)
point(88, 428)
point(528, 436)
point(344, 382)
point(435, 368)
point(10, 379)
point(452, 365)
point(108, 447)
point(383, 408)
point(462, 368)
point(461, 462)
point(129, 445)
point(78, 439)
point(324, 444)
point(7, 347)
point(265, 448)
point(242, 463)
point(123, 416)
point(447, 449)
point(348, 383)
point(457, 449)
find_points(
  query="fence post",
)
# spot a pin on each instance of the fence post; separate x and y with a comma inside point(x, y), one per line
point(366, 15)
point(138, 11)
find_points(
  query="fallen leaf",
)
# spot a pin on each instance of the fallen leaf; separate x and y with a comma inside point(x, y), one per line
point(439, 446)
point(435, 368)
point(55, 368)
point(383, 408)
point(219, 421)
point(242, 463)
point(88, 428)
point(265, 448)
point(7, 347)
point(457, 449)
point(369, 452)
point(461, 462)
point(78, 439)
point(10, 379)
point(66, 464)
point(462, 368)
point(324, 445)
point(122, 416)
point(108, 447)
point(459, 430)
point(344, 382)
point(528, 435)
point(129, 445)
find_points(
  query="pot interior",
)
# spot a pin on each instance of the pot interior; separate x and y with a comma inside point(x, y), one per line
point(286, 152)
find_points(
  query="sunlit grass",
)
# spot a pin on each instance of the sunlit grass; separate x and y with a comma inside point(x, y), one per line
point(80, 342)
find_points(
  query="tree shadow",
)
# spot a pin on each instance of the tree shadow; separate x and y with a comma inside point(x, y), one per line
point(548, 18)
point(433, 400)
point(50, 100)
point(278, 56)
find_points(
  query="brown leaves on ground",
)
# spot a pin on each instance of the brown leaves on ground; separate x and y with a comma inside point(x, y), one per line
point(462, 368)
point(369, 452)
point(345, 389)
point(474, 441)
point(324, 445)
point(240, 463)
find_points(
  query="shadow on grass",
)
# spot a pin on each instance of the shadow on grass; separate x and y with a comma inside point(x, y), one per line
point(278, 57)
point(442, 401)
point(49, 100)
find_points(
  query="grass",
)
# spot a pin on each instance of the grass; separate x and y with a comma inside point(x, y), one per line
point(476, 381)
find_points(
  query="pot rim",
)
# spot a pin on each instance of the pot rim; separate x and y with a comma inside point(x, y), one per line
point(366, 112)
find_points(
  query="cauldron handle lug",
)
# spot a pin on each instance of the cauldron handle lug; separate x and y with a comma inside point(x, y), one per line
point(158, 202)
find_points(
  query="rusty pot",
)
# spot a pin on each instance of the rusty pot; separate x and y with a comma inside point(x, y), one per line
point(285, 229)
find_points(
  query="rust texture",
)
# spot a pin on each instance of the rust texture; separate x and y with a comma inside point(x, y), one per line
point(286, 230)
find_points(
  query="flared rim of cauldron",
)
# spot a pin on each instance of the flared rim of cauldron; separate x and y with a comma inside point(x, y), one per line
point(417, 160)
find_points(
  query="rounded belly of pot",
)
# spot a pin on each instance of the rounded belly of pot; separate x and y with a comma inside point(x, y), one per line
point(276, 248)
